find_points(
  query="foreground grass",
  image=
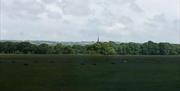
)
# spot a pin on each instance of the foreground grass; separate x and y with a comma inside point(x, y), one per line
point(89, 73)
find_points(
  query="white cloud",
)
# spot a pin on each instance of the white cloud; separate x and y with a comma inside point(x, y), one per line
point(116, 29)
point(76, 20)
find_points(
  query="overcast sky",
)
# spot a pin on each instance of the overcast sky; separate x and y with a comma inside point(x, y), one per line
point(83, 20)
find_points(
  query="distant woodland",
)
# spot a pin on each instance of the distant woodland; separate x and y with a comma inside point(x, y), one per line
point(99, 48)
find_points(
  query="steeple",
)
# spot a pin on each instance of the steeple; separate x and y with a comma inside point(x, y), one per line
point(98, 38)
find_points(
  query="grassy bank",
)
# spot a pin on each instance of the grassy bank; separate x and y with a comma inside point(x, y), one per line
point(89, 73)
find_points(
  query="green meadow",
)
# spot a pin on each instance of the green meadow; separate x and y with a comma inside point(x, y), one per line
point(89, 73)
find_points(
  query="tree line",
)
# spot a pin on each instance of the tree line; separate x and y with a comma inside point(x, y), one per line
point(99, 48)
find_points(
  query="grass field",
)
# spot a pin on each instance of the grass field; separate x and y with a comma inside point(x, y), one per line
point(89, 73)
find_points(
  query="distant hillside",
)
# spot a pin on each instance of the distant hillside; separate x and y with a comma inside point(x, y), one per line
point(38, 42)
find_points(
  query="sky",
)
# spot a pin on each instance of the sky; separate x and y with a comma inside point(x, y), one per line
point(84, 20)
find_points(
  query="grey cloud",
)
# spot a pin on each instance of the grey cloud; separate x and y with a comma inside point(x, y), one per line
point(126, 20)
point(30, 10)
point(22, 9)
point(161, 28)
point(136, 8)
point(77, 19)
point(132, 4)
point(176, 25)
point(51, 1)
point(54, 15)
point(156, 22)
point(76, 7)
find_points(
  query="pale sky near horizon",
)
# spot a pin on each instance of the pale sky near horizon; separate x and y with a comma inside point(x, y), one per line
point(83, 20)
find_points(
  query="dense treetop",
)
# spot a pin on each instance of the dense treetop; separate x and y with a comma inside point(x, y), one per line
point(100, 48)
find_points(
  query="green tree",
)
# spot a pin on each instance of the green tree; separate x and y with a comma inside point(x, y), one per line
point(79, 49)
point(68, 50)
point(8, 47)
point(164, 48)
point(43, 49)
point(26, 47)
point(58, 49)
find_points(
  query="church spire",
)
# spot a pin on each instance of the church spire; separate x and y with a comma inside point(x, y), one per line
point(98, 38)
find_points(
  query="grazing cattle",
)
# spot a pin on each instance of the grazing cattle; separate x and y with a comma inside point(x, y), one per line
point(13, 62)
point(125, 61)
point(94, 64)
point(51, 62)
point(25, 64)
point(35, 61)
point(82, 63)
point(113, 63)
